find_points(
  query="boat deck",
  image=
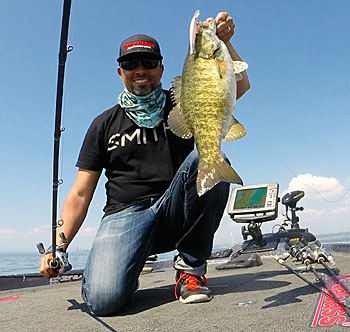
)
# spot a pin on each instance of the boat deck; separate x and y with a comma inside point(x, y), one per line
point(260, 298)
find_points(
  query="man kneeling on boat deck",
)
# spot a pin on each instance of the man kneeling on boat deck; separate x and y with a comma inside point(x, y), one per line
point(152, 203)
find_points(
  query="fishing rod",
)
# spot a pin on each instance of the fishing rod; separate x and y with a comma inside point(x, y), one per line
point(345, 287)
point(309, 254)
point(59, 256)
point(328, 293)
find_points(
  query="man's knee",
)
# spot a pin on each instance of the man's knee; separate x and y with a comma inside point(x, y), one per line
point(105, 302)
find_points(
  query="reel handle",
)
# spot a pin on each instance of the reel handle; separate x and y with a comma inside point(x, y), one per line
point(60, 262)
point(41, 248)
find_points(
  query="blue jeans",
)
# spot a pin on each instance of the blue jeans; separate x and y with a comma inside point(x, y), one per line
point(178, 220)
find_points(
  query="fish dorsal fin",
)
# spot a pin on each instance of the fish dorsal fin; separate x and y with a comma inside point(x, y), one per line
point(176, 89)
point(193, 32)
point(239, 66)
point(176, 119)
point(236, 131)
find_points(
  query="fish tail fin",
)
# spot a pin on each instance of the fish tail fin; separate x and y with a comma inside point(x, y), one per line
point(209, 176)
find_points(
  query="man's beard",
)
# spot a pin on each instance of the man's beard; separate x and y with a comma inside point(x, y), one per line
point(142, 91)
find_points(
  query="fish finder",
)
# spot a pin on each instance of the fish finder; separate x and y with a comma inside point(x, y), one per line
point(254, 203)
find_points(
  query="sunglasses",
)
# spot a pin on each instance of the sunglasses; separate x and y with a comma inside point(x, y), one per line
point(145, 63)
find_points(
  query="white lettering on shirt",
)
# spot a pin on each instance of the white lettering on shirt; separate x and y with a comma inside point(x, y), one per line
point(113, 142)
point(136, 133)
point(120, 140)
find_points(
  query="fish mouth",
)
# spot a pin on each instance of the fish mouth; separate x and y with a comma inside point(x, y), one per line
point(201, 26)
point(204, 25)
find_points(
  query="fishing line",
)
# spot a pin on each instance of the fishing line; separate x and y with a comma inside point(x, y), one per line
point(305, 184)
point(62, 152)
point(312, 188)
point(68, 66)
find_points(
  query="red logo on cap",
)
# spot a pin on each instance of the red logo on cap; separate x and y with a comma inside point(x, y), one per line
point(139, 43)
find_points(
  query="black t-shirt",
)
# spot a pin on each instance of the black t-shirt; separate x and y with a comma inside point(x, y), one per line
point(139, 162)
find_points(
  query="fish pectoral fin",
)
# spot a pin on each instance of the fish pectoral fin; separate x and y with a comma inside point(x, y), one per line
point(177, 123)
point(209, 176)
point(239, 66)
point(236, 131)
point(221, 66)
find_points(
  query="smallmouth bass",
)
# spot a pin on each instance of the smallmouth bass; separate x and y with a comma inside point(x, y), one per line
point(205, 96)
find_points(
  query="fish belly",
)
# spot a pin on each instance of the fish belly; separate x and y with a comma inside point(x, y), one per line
point(206, 99)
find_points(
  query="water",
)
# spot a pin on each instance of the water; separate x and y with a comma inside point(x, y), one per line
point(28, 262)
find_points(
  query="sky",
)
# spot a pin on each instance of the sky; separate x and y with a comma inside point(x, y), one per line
point(296, 113)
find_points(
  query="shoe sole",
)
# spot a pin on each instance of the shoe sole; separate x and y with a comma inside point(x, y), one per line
point(195, 298)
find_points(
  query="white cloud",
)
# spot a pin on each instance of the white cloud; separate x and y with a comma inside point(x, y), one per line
point(313, 213)
point(7, 232)
point(37, 231)
point(313, 186)
point(343, 210)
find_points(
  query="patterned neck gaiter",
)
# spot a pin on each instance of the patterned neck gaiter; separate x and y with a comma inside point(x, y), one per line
point(145, 111)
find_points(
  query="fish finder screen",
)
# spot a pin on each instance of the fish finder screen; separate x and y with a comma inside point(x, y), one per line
point(250, 198)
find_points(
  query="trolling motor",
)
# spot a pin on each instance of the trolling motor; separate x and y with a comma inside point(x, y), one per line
point(59, 256)
point(290, 201)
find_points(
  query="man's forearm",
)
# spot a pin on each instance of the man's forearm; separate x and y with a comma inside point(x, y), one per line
point(76, 205)
point(73, 215)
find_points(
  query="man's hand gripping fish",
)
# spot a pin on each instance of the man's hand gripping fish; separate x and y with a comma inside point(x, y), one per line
point(205, 97)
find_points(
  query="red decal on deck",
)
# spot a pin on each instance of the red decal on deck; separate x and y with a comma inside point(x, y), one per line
point(9, 298)
point(329, 312)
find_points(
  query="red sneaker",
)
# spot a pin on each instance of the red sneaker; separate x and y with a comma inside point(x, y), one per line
point(192, 289)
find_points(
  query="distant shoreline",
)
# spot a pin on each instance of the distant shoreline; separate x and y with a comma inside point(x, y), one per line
point(326, 237)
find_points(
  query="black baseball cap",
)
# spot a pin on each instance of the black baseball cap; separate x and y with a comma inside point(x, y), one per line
point(139, 45)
